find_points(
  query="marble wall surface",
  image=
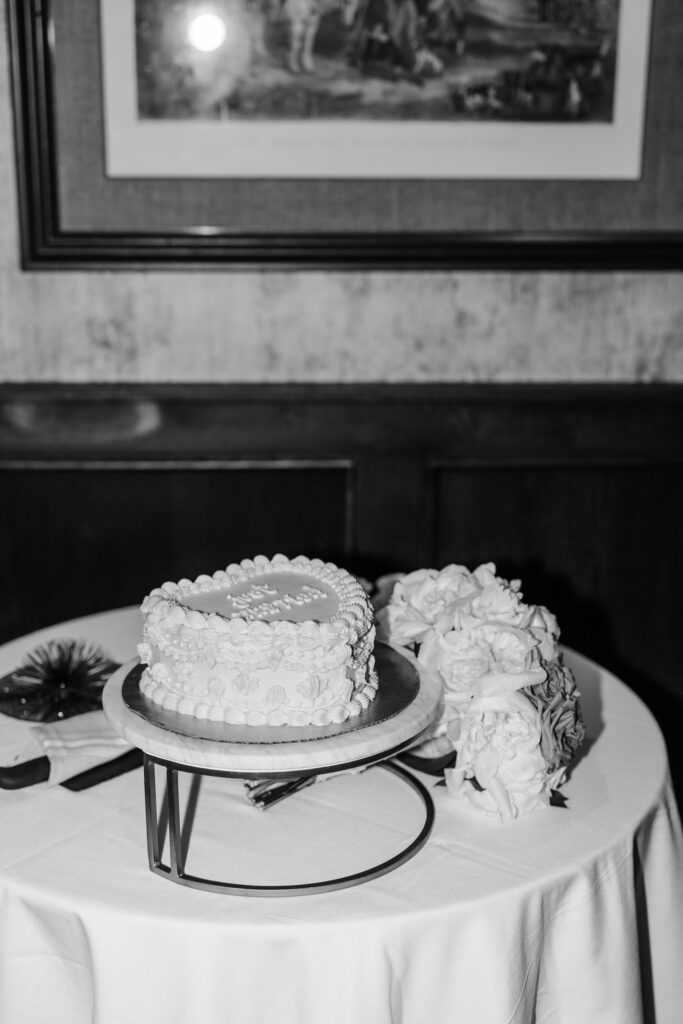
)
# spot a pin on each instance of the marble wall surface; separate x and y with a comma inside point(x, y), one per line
point(326, 327)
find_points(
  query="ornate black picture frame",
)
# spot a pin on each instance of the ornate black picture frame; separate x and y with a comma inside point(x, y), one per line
point(73, 216)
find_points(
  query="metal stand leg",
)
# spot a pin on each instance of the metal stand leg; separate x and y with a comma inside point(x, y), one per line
point(155, 829)
point(174, 824)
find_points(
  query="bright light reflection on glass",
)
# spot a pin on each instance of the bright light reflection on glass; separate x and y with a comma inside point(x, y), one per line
point(207, 32)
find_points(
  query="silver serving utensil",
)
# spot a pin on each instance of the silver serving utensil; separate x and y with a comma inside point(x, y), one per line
point(265, 793)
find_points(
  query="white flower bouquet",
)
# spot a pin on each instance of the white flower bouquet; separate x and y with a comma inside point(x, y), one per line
point(510, 709)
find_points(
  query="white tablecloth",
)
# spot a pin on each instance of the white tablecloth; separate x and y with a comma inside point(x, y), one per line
point(573, 916)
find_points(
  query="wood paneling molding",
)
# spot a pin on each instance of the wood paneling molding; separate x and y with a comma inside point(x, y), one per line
point(511, 424)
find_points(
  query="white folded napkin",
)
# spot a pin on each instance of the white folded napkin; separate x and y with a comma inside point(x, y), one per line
point(72, 745)
point(76, 744)
point(18, 742)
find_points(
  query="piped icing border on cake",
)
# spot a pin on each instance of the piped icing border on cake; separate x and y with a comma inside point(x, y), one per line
point(347, 636)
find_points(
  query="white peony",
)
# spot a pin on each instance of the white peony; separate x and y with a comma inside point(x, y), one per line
point(459, 657)
point(500, 768)
point(497, 600)
point(486, 658)
point(430, 601)
point(507, 709)
point(426, 601)
point(402, 621)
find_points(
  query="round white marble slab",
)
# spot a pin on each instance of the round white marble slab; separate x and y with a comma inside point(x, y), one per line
point(373, 742)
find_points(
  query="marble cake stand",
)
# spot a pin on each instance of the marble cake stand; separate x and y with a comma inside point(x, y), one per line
point(296, 759)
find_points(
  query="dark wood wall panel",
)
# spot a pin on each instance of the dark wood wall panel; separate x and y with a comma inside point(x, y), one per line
point(75, 541)
point(598, 545)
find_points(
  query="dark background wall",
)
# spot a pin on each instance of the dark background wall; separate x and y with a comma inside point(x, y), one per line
point(107, 491)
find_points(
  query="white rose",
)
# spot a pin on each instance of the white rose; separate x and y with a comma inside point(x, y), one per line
point(405, 620)
point(498, 600)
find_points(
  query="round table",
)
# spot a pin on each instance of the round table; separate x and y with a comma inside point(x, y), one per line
point(571, 915)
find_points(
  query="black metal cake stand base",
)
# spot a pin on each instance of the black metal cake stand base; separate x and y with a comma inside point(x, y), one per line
point(168, 815)
point(273, 763)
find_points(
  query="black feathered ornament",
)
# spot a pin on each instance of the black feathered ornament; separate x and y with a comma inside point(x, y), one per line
point(57, 680)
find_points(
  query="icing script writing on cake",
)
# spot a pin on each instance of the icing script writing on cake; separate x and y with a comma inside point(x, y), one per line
point(261, 600)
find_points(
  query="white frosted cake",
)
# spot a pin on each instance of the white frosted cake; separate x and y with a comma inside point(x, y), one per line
point(268, 642)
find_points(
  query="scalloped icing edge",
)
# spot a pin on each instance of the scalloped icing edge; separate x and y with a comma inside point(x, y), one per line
point(350, 623)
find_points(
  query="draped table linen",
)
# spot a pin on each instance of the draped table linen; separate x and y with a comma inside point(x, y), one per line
point(568, 916)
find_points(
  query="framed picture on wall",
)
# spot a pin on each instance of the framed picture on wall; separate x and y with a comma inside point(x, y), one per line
point(476, 89)
point(348, 133)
